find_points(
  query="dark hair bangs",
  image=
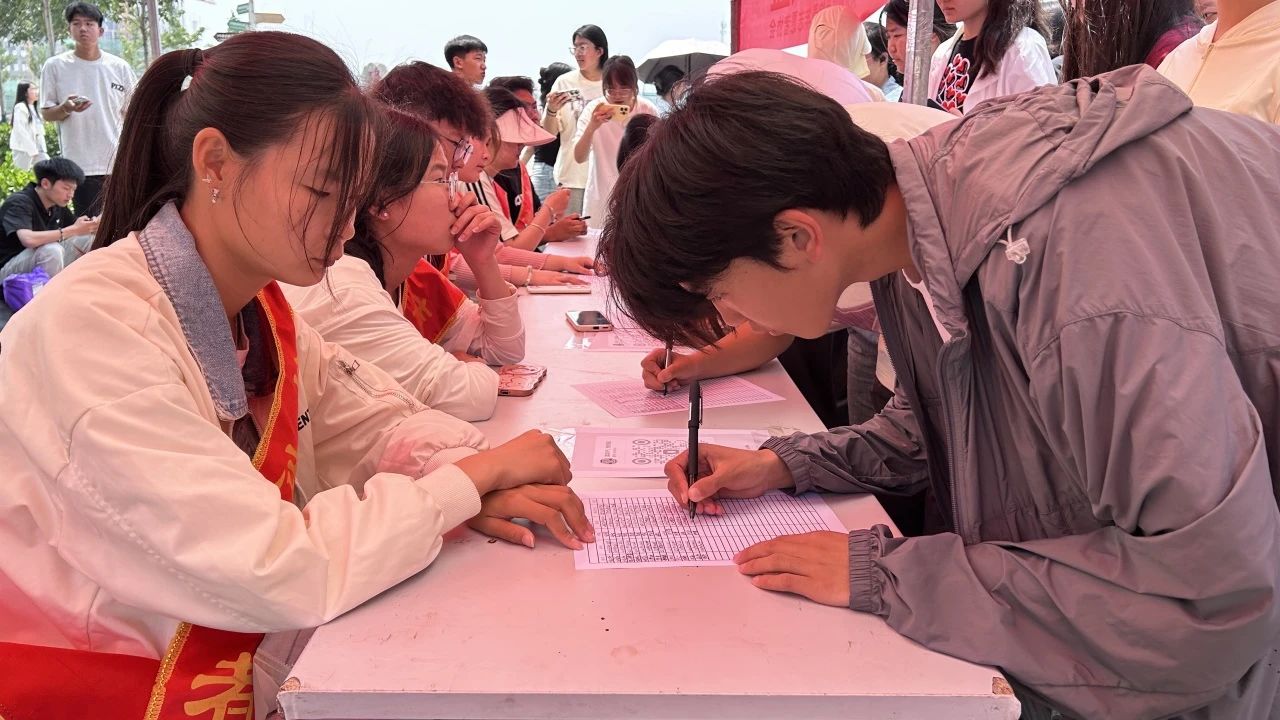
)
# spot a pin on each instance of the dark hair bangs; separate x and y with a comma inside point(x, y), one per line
point(405, 146)
point(354, 138)
point(654, 294)
point(706, 187)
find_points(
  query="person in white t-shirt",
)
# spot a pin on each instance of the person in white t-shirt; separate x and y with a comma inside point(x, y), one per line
point(85, 93)
point(600, 129)
point(569, 95)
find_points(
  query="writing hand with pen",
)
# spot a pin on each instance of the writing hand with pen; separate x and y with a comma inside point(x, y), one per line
point(664, 370)
point(815, 564)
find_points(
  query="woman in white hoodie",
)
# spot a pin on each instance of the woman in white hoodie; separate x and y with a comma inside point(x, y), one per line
point(389, 306)
point(1000, 51)
point(188, 465)
point(837, 36)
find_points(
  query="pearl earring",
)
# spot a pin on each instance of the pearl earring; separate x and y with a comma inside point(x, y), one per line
point(215, 195)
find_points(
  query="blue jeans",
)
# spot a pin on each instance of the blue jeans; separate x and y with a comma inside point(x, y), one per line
point(543, 178)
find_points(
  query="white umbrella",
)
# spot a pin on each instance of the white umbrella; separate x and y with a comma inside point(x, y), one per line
point(689, 56)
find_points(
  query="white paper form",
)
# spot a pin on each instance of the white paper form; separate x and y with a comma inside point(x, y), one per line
point(621, 339)
point(642, 452)
point(649, 529)
point(630, 398)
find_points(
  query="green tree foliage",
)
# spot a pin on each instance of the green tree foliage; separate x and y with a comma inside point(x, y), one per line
point(21, 23)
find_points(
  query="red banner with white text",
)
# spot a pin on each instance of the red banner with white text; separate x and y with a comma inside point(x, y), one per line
point(782, 24)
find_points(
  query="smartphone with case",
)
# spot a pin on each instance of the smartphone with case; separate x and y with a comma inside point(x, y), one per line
point(620, 112)
point(520, 380)
point(588, 321)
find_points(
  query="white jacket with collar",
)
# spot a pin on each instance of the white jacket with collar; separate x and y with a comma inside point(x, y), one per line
point(351, 308)
point(1239, 72)
point(1026, 65)
point(125, 506)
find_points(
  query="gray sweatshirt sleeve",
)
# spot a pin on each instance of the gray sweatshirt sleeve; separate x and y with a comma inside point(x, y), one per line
point(1172, 604)
point(882, 455)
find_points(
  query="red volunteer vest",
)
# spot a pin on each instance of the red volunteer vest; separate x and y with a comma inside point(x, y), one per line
point(430, 301)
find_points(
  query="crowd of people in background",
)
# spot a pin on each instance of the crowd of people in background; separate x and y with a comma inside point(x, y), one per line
point(1037, 312)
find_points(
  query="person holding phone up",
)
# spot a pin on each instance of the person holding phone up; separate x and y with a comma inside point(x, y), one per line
point(569, 92)
point(600, 129)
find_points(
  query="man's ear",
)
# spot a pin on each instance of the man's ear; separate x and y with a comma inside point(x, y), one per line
point(800, 232)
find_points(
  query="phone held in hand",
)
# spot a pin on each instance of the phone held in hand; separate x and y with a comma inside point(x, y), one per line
point(620, 112)
point(520, 380)
point(588, 321)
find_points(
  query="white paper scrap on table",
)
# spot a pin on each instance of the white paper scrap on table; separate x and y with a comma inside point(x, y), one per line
point(621, 339)
point(630, 398)
point(642, 452)
point(649, 529)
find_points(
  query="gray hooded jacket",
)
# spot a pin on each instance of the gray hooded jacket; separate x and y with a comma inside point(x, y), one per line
point(1103, 427)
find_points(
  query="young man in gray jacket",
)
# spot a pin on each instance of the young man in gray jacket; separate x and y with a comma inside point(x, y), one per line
point(1078, 289)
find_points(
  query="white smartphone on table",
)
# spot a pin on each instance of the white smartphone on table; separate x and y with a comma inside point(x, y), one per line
point(588, 321)
point(559, 289)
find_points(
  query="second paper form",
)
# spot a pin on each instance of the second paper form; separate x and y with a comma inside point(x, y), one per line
point(649, 529)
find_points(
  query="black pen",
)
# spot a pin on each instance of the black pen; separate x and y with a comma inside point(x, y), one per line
point(695, 421)
point(666, 364)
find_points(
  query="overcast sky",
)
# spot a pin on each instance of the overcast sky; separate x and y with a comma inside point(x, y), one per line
point(522, 35)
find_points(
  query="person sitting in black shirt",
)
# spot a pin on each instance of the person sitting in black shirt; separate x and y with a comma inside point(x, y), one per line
point(39, 230)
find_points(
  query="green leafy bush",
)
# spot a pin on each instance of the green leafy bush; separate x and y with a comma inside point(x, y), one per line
point(13, 179)
point(5, 131)
point(51, 139)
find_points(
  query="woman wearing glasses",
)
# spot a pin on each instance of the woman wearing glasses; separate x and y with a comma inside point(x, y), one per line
point(569, 95)
point(389, 306)
point(600, 131)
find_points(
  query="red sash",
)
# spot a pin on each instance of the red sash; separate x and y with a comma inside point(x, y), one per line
point(522, 220)
point(430, 301)
point(205, 673)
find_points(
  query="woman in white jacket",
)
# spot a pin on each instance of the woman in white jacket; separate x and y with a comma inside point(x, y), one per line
point(365, 306)
point(189, 465)
point(27, 137)
point(1000, 51)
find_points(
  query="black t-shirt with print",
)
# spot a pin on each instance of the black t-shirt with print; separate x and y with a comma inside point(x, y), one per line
point(23, 210)
point(957, 78)
point(509, 181)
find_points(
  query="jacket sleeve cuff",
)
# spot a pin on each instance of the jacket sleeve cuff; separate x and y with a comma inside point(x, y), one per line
point(453, 491)
point(498, 303)
point(865, 579)
point(795, 461)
